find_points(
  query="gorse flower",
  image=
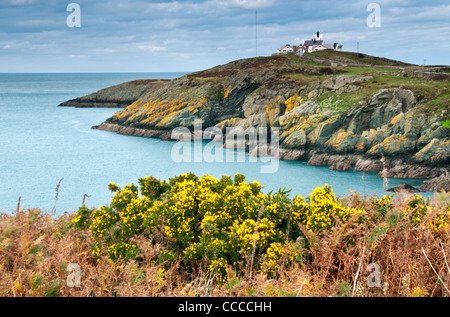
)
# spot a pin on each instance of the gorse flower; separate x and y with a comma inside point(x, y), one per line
point(324, 209)
point(226, 223)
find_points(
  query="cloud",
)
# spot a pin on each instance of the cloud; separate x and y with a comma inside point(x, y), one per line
point(20, 2)
point(197, 34)
point(151, 48)
point(249, 4)
point(105, 50)
point(79, 56)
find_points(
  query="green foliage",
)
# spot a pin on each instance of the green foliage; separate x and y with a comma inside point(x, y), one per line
point(417, 208)
point(215, 95)
point(125, 251)
point(228, 225)
point(81, 220)
point(446, 123)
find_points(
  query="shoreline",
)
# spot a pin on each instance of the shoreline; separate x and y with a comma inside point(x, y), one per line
point(395, 168)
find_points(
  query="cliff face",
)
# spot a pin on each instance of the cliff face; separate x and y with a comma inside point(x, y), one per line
point(326, 111)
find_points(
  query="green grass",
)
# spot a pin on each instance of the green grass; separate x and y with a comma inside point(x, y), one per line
point(366, 70)
point(358, 58)
point(305, 78)
point(435, 93)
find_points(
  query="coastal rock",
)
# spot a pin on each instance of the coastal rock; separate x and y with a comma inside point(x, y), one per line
point(402, 170)
point(437, 151)
point(339, 84)
point(441, 183)
point(368, 165)
point(436, 131)
point(291, 155)
point(295, 140)
point(324, 130)
point(388, 104)
point(342, 165)
point(336, 162)
point(342, 142)
point(404, 188)
point(119, 129)
point(118, 96)
point(396, 144)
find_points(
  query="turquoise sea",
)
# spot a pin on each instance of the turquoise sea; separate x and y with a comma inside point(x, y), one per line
point(40, 144)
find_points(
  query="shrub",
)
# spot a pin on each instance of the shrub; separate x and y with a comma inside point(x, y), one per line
point(229, 227)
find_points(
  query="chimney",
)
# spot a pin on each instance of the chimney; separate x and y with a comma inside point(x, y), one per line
point(318, 35)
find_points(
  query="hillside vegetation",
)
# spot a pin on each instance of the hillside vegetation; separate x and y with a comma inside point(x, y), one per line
point(200, 236)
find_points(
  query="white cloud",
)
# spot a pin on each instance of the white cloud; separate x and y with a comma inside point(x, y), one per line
point(20, 2)
point(249, 4)
point(80, 56)
point(151, 48)
point(105, 50)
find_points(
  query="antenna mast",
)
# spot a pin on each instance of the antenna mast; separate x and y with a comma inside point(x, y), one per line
point(256, 32)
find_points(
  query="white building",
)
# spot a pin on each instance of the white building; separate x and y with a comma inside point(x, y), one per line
point(313, 45)
point(287, 49)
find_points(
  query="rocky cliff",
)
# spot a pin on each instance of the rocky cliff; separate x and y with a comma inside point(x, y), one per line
point(344, 110)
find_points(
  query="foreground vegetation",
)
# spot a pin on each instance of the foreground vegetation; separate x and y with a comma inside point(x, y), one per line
point(201, 236)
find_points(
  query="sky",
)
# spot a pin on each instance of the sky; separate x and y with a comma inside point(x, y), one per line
point(187, 36)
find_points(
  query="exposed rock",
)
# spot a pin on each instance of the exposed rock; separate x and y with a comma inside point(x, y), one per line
point(324, 130)
point(388, 104)
point(411, 171)
point(441, 183)
point(119, 129)
point(342, 165)
point(336, 162)
point(343, 142)
point(295, 140)
point(397, 144)
point(437, 151)
point(436, 132)
point(340, 84)
point(291, 155)
point(304, 109)
point(368, 165)
point(404, 188)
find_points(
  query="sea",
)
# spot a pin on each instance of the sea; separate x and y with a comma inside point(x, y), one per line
point(52, 159)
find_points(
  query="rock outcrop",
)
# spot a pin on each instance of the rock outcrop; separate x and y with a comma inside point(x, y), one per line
point(404, 188)
point(437, 184)
point(118, 96)
point(343, 117)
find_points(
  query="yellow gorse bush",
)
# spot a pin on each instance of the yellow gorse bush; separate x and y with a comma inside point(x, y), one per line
point(323, 211)
point(279, 254)
point(226, 224)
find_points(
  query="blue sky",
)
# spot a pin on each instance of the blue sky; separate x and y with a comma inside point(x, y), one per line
point(185, 36)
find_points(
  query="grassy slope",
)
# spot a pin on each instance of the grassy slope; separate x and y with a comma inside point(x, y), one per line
point(435, 93)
